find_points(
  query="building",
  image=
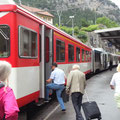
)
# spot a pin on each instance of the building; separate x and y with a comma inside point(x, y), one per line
point(40, 13)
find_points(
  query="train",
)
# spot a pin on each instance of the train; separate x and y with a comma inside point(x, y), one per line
point(31, 45)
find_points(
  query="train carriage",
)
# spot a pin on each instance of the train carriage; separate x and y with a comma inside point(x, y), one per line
point(31, 45)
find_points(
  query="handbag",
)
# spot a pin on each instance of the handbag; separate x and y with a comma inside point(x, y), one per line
point(65, 96)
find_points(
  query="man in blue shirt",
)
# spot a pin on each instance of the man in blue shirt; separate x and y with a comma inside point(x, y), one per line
point(58, 78)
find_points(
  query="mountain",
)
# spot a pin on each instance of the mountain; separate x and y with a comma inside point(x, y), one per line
point(85, 12)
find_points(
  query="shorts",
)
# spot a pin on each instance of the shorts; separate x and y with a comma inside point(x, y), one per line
point(117, 99)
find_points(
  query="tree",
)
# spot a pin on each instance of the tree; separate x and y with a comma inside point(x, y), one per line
point(107, 22)
point(82, 36)
point(90, 28)
point(76, 30)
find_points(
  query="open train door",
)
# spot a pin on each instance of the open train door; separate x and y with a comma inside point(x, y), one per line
point(46, 45)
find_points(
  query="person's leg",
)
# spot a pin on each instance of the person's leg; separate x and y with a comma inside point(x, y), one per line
point(50, 86)
point(60, 100)
point(75, 101)
point(80, 100)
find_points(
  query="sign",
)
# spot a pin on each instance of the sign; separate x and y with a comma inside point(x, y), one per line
point(109, 44)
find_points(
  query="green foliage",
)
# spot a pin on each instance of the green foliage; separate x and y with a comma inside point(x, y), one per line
point(107, 22)
point(76, 30)
point(82, 36)
point(56, 25)
point(90, 28)
point(66, 29)
point(85, 23)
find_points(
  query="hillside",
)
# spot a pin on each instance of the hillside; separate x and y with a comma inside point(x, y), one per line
point(84, 11)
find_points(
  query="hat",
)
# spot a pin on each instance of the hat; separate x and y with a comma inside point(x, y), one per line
point(54, 64)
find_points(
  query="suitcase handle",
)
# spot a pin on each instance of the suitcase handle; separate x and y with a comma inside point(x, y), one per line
point(87, 96)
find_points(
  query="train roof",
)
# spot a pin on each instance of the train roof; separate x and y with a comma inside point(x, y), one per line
point(11, 6)
point(110, 34)
point(52, 27)
point(115, 55)
point(98, 49)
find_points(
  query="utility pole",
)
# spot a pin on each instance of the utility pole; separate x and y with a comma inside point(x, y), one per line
point(59, 9)
point(59, 13)
point(20, 2)
point(72, 17)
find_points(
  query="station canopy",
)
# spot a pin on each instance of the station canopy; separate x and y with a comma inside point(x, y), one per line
point(112, 35)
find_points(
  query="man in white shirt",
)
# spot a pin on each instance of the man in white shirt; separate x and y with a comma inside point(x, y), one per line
point(115, 84)
point(58, 78)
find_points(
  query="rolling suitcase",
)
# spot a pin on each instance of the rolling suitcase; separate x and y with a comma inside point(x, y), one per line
point(91, 110)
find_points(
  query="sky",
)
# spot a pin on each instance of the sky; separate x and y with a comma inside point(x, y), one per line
point(117, 2)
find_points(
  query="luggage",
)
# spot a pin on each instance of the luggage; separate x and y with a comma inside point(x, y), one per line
point(91, 109)
point(65, 96)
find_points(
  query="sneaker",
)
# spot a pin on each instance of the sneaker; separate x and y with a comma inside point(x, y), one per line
point(63, 110)
point(47, 100)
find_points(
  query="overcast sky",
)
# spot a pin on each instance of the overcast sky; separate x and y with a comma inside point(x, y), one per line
point(117, 2)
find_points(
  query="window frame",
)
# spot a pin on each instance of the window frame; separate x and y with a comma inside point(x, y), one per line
point(79, 54)
point(73, 52)
point(9, 42)
point(60, 61)
point(28, 57)
point(83, 59)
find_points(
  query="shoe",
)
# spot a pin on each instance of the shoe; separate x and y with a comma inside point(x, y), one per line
point(47, 100)
point(63, 110)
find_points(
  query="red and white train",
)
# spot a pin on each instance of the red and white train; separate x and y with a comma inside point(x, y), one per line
point(31, 45)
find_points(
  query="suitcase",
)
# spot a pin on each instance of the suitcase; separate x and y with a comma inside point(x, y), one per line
point(91, 109)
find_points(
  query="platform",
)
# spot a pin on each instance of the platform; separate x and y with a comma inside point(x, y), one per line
point(98, 90)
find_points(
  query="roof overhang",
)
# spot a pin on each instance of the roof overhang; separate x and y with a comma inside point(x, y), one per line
point(111, 34)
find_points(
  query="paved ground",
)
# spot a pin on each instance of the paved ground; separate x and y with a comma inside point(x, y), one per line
point(98, 90)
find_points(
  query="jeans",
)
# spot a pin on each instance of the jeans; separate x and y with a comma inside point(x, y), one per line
point(59, 89)
point(77, 101)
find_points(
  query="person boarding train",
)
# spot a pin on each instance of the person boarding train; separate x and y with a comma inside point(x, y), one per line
point(57, 78)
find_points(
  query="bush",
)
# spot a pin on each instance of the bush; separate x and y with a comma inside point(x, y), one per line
point(82, 36)
point(90, 28)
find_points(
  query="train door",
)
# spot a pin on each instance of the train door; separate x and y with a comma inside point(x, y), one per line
point(46, 44)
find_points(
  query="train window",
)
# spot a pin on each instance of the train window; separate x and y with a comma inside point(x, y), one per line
point(77, 54)
point(4, 41)
point(70, 53)
point(60, 51)
point(83, 56)
point(97, 57)
point(87, 55)
point(28, 43)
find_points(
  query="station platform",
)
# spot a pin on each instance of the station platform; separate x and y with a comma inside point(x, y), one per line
point(98, 90)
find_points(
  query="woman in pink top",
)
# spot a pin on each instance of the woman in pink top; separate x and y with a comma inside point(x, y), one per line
point(8, 105)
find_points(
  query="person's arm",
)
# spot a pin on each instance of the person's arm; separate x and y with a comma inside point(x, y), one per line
point(52, 76)
point(112, 87)
point(10, 106)
point(49, 80)
point(84, 81)
point(69, 80)
point(112, 83)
